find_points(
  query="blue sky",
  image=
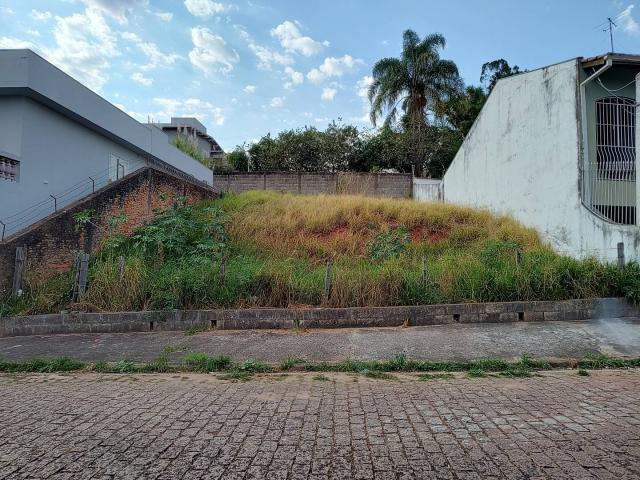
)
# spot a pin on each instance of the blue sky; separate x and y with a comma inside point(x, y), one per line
point(247, 68)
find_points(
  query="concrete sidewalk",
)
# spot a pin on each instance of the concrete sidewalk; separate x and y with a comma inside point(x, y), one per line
point(549, 340)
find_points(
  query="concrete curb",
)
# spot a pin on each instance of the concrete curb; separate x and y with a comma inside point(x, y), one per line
point(283, 318)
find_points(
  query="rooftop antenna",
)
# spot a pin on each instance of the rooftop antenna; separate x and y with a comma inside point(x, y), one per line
point(612, 24)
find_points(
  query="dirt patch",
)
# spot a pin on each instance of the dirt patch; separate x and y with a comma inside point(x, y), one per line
point(424, 234)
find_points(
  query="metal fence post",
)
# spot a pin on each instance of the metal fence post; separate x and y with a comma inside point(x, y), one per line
point(18, 272)
point(55, 203)
point(4, 227)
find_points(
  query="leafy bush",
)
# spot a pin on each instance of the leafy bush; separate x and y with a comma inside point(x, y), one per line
point(390, 244)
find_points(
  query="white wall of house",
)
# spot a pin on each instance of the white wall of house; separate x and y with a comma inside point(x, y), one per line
point(522, 158)
point(62, 133)
point(55, 153)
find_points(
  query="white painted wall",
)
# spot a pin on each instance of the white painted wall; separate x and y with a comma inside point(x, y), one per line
point(522, 158)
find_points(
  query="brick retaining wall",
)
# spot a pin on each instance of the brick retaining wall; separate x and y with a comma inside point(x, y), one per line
point(53, 242)
point(282, 318)
point(396, 185)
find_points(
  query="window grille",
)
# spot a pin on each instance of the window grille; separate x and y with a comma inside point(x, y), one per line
point(612, 173)
point(9, 169)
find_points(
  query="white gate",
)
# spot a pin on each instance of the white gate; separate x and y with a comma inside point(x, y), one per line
point(427, 190)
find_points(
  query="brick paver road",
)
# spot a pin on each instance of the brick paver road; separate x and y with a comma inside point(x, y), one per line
point(197, 426)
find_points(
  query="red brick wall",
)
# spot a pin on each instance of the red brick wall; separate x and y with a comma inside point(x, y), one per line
point(53, 242)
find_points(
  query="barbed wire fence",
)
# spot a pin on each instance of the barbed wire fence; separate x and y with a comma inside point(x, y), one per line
point(17, 221)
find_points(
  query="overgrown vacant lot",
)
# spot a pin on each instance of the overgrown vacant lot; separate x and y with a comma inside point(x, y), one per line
point(269, 249)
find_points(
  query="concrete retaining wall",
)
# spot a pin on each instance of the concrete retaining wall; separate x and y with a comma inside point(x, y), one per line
point(282, 318)
point(395, 185)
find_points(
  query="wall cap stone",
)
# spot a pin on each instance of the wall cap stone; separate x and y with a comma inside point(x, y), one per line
point(316, 317)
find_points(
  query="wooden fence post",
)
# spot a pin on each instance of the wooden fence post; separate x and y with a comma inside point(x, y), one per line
point(18, 271)
point(518, 257)
point(223, 267)
point(327, 282)
point(121, 267)
point(424, 272)
point(621, 261)
point(81, 276)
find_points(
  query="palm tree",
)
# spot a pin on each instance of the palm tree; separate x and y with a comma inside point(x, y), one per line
point(417, 83)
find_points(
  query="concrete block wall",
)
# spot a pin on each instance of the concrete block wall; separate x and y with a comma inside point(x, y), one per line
point(283, 318)
point(53, 242)
point(371, 184)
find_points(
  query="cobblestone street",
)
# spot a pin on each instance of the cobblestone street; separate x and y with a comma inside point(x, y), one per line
point(297, 426)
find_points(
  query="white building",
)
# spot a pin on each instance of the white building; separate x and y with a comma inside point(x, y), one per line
point(59, 141)
point(556, 148)
point(191, 129)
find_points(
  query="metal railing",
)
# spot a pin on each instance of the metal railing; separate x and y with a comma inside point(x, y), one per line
point(610, 175)
point(20, 220)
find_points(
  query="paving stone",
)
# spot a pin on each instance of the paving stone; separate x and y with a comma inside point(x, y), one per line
point(556, 426)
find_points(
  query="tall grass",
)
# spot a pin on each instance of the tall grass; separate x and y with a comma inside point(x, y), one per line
point(276, 246)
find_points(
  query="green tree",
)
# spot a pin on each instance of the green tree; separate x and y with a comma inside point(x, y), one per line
point(463, 108)
point(238, 159)
point(382, 149)
point(495, 70)
point(415, 84)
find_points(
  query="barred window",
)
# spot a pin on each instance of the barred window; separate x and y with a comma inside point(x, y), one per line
point(616, 138)
point(9, 169)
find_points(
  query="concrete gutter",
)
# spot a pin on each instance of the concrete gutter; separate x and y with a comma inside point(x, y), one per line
point(313, 318)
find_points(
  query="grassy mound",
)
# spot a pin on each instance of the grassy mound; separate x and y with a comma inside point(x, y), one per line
point(269, 249)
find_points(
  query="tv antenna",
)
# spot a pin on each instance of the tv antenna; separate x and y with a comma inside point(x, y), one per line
point(610, 28)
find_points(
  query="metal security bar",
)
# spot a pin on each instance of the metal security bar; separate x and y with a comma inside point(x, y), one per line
point(611, 175)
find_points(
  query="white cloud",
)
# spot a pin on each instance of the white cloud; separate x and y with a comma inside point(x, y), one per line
point(292, 40)
point(629, 24)
point(242, 32)
point(250, 89)
point(117, 9)
point(84, 46)
point(210, 52)
point(362, 90)
point(6, 11)
point(204, 8)
point(156, 57)
point(164, 16)
point(12, 42)
point(334, 67)
point(191, 107)
point(40, 16)
point(267, 58)
point(328, 94)
point(294, 77)
point(362, 86)
point(141, 79)
point(276, 102)
point(131, 37)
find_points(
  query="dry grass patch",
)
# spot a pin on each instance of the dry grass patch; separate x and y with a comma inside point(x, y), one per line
point(341, 225)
